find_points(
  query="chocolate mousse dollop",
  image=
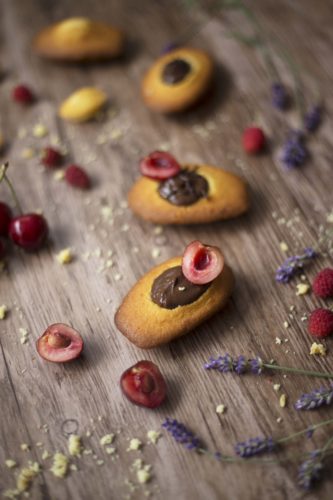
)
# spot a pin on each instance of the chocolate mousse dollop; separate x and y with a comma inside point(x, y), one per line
point(171, 289)
point(185, 188)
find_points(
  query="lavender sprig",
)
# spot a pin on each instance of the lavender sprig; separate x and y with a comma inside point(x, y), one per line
point(294, 265)
point(241, 365)
point(312, 118)
point(255, 446)
point(280, 98)
point(315, 399)
point(294, 153)
point(181, 434)
point(310, 470)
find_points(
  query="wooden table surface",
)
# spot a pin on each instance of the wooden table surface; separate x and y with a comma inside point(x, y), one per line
point(38, 397)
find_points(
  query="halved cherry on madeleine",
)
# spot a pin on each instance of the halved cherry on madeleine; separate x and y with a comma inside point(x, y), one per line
point(60, 343)
point(143, 384)
point(202, 263)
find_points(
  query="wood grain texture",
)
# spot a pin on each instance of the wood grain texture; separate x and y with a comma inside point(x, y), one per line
point(40, 292)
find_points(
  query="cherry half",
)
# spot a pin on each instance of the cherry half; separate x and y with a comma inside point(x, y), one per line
point(201, 264)
point(5, 216)
point(143, 384)
point(60, 343)
point(28, 231)
point(159, 165)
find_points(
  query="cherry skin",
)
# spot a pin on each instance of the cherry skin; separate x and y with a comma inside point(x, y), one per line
point(201, 264)
point(28, 231)
point(159, 165)
point(5, 216)
point(143, 384)
point(60, 343)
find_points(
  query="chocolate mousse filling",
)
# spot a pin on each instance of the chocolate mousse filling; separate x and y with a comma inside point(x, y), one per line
point(171, 289)
point(185, 188)
point(175, 71)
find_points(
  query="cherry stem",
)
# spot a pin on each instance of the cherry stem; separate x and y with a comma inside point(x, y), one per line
point(4, 177)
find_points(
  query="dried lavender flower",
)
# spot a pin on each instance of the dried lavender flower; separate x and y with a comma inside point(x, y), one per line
point(223, 364)
point(294, 265)
point(294, 151)
point(181, 434)
point(254, 446)
point(312, 118)
point(280, 98)
point(239, 365)
point(315, 399)
point(310, 470)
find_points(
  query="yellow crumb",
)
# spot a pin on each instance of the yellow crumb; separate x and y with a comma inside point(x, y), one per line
point(220, 409)
point(277, 387)
point(153, 436)
point(59, 175)
point(302, 288)
point(10, 463)
point(107, 439)
point(39, 130)
point(74, 445)
point(45, 455)
point(283, 246)
point(26, 476)
point(3, 311)
point(143, 476)
point(28, 153)
point(283, 400)
point(24, 447)
point(318, 349)
point(110, 450)
point(60, 465)
point(65, 256)
point(135, 444)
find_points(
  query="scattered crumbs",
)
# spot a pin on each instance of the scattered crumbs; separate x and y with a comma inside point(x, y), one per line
point(3, 311)
point(220, 409)
point(156, 252)
point(137, 464)
point(24, 335)
point(277, 387)
point(28, 153)
point(87, 451)
point(74, 445)
point(318, 349)
point(59, 175)
point(39, 130)
point(45, 455)
point(10, 463)
point(73, 467)
point(135, 444)
point(117, 277)
point(88, 434)
point(283, 400)
point(302, 288)
point(60, 465)
point(278, 341)
point(39, 444)
point(24, 447)
point(65, 256)
point(286, 324)
point(106, 212)
point(284, 247)
point(153, 436)
point(100, 462)
point(26, 476)
point(107, 439)
point(143, 476)
point(110, 450)
point(292, 308)
point(279, 420)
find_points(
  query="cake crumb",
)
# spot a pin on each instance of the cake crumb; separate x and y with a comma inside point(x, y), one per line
point(10, 463)
point(283, 401)
point(318, 349)
point(153, 436)
point(65, 256)
point(302, 288)
point(59, 175)
point(39, 130)
point(286, 324)
point(26, 476)
point(135, 444)
point(278, 341)
point(220, 409)
point(143, 476)
point(60, 465)
point(277, 387)
point(25, 447)
point(107, 439)
point(3, 311)
point(110, 450)
point(74, 445)
point(284, 247)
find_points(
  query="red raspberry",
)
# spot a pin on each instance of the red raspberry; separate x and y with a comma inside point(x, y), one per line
point(22, 94)
point(51, 158)
point(321, 323)
point(253, 140)
point(323, 283)
point(77, 177)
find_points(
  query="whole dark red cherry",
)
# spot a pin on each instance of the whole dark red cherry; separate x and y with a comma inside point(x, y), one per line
point(28, 231)
point(143, 384)
point(5, 216)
